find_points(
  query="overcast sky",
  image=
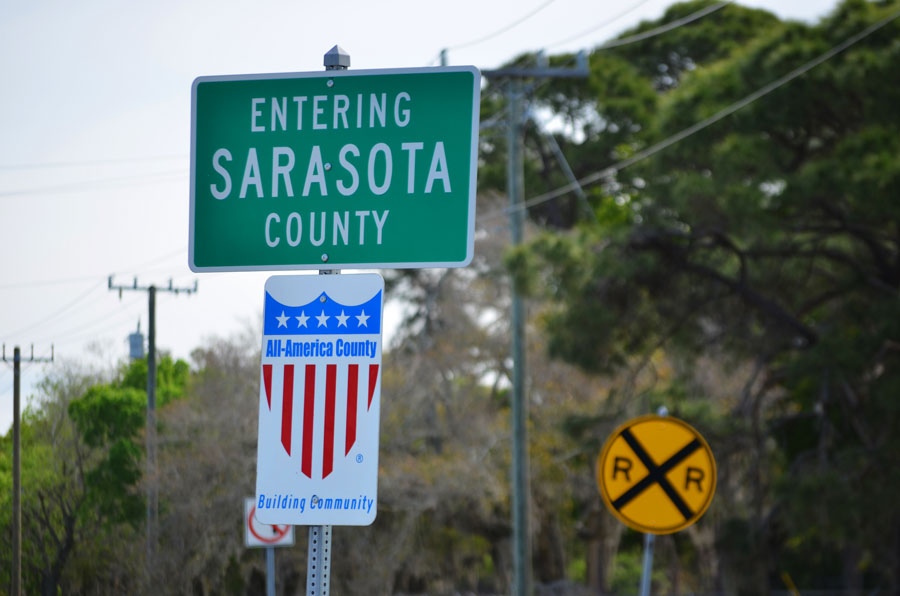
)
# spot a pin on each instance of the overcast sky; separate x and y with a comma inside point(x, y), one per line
point(95, 121)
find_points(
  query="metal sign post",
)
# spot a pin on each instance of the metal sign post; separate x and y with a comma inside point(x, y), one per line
point(258, 534)
point(318, 558)
point(270, 571)
point(318, 562)
point(647, 568)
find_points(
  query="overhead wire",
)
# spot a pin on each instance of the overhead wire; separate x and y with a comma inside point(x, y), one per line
point(600, 25)
point(504, 29)
point(66, 280)
point(90, 326)
point(161, 259)
point(46, 319)
point(152, 178)
point(48, 282)
point(664, 28)
point(79, 299)
point(665, 143)
point(89, 162)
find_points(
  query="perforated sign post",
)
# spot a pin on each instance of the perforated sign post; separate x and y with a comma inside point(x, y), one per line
point(339, 169)
point(319, 401)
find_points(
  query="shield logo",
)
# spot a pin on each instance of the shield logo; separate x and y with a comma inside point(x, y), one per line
point(319, 400)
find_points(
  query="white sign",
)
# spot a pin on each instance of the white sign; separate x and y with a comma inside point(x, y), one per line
point(319, 400)
point(258, 534)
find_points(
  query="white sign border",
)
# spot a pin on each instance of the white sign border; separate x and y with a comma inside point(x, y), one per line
point(314, 285)
point(473, 167)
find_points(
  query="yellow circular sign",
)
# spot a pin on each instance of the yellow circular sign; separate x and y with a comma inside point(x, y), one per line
point(656, 474)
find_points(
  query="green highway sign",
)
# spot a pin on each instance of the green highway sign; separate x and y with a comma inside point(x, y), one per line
point(336, 169)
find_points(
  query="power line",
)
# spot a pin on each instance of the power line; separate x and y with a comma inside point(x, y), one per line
point(48, 282)
point(600, 25)
point(92, 331)
point(664, 28)
point(91, 162)
point(46, 319)
point(154, 178)
point(90, 325)
point(734, 107)
point(67, 280)
point(503, 29)
point(161, 259)
point(89, 328)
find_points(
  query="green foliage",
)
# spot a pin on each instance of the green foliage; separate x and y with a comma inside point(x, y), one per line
point(766, 243)
point(107, 415)
point(81, 468)
point(110, 418)
point(171, 378)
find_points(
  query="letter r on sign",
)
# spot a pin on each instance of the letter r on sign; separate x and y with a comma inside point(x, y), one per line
point(694, 475)
point(622, 464)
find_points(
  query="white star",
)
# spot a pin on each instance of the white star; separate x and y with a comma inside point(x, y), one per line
point(342, 319)
point(322, 318)
point(282, 320)
point(302, 319)
point(362, 317)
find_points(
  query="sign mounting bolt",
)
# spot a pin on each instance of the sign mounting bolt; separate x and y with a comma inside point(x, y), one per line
point(330, 83)
point(324, 258)
point(327, 166)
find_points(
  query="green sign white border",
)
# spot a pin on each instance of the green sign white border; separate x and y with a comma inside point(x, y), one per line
point(473, 166)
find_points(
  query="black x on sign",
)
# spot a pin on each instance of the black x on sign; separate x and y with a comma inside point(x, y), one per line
point(656, 474)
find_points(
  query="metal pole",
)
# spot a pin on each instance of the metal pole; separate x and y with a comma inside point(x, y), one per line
point(647, 569)
point(514, 184)
point(17, 482)
point(318, 560)
point(648, 564)
point(521, 550)
point(270, 571)
point(570, 175)
point(151, 430)
point(150, 435)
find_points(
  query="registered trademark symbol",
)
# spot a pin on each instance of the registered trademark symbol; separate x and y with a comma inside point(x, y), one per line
point(359, 458)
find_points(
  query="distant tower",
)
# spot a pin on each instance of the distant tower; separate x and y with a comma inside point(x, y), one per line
point(136, 343)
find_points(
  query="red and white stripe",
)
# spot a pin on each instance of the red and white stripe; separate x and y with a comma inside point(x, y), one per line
point(332, 407)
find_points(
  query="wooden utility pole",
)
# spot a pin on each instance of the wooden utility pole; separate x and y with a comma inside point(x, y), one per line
point(152, 489)
point(16, 575)
point(515, 93)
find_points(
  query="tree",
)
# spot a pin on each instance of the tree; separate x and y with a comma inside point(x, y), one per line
point(81, 470)
point(768, 241)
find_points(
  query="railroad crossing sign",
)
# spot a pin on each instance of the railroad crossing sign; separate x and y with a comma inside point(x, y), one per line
point(352, 169)
point(259, 534)
point(656, 474)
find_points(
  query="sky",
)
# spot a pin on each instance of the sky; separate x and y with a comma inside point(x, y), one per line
point(95, 143)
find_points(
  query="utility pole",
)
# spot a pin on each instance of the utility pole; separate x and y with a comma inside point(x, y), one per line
point(16, 579)
point(515, 96)
point(152, 489)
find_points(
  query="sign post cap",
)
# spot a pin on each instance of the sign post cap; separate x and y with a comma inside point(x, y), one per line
point(337, 57)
